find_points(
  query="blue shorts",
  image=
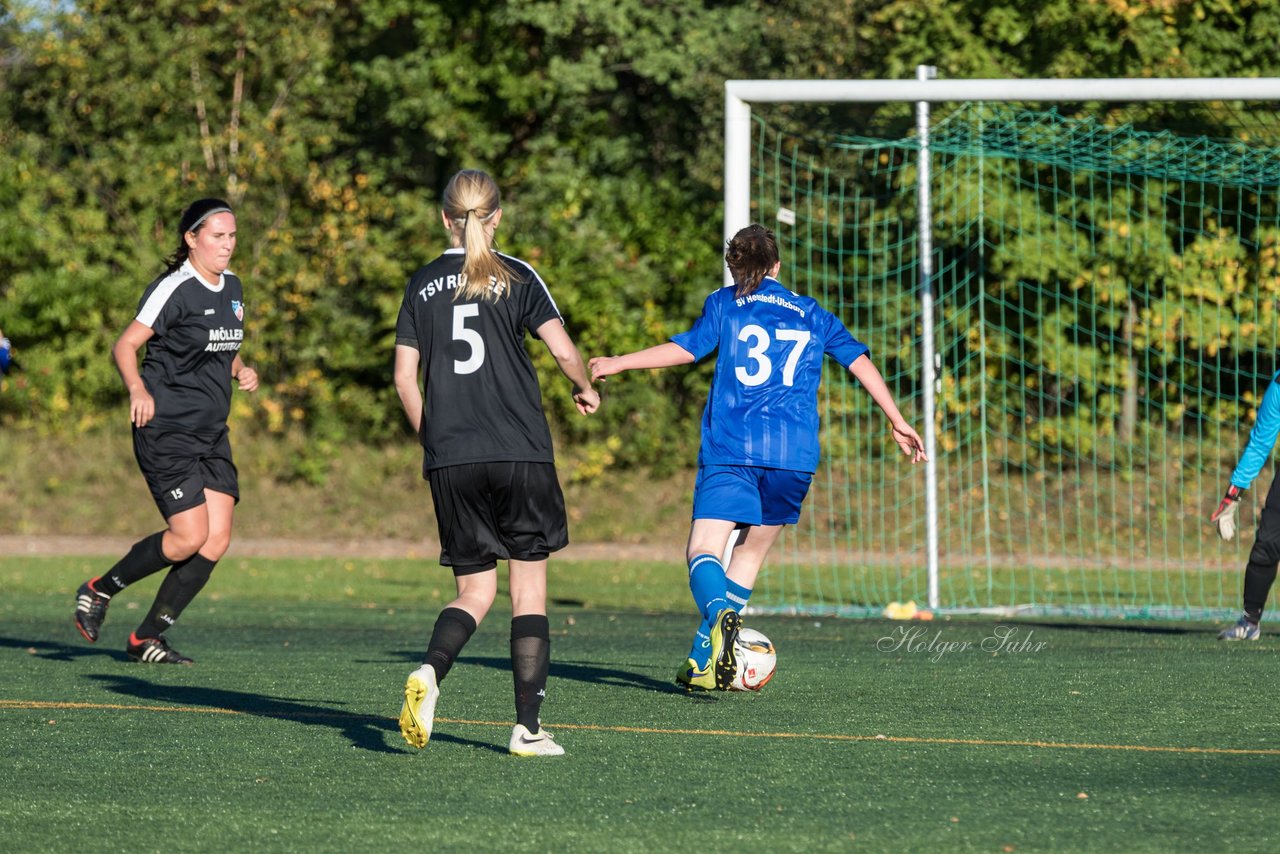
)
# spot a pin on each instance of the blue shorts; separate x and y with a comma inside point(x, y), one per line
point(750, 495)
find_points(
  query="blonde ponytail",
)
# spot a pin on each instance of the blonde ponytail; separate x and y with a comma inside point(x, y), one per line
point(471, 201)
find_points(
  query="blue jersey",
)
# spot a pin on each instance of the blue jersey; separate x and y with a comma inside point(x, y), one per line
point(763, 405)
point(1262, 438)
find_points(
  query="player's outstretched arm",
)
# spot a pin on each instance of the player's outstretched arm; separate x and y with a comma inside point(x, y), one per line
point(406, 378)
point(865, 371)
point(142, 406)
point(662, 356)
point(570, 361)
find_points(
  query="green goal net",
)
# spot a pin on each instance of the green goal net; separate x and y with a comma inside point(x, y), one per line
point(1105, 323)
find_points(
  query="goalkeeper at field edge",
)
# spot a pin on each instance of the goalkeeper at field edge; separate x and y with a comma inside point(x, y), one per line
point(1264, 557)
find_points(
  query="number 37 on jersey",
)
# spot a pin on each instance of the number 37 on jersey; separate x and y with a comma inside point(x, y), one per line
point(760, 367)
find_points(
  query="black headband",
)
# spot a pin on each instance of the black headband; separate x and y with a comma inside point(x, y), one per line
point(198, 211)
point(196, 224)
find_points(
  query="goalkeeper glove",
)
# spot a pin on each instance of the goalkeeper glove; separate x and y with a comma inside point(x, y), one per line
point(1225, 515)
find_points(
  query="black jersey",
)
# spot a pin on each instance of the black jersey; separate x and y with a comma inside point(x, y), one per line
point(198, 330)
point(481, 399)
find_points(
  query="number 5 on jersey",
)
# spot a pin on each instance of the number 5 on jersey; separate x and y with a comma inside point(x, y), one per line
point(470, 337)
point(757, 340)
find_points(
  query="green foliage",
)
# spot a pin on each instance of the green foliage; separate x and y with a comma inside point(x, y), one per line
point(333, 126)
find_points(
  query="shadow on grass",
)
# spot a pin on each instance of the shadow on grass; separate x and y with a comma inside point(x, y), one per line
point(367, 732)
point(582, 671)
point(437, 736)
point(55, 651)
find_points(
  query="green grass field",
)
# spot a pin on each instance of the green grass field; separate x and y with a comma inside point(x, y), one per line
point(1073, 737)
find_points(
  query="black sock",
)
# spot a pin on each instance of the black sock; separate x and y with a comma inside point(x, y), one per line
point(179, 587)
point(1258, 578)
point(530, 661)
point(142, 560)
point(454, 627)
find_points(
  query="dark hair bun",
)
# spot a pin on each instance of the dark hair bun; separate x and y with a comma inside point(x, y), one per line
point(750, 255)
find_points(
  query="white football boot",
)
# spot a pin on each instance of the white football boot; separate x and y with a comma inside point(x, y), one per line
point(524, 743)
point(419, 709)
point(1242, 630)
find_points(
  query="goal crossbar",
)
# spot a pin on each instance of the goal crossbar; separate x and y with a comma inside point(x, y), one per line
point(740, 94)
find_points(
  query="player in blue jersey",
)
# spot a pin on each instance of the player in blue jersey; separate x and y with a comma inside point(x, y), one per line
point(759, 431)
point(1264, 557)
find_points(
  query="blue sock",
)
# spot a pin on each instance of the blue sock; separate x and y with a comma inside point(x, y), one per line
point(707, 584)
point(737, 597)
point(700, 652)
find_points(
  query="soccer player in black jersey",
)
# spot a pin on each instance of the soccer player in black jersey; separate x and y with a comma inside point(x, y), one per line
point(191, 320)
point(487, 447)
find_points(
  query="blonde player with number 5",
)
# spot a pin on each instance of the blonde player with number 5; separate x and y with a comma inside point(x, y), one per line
point(486, 447)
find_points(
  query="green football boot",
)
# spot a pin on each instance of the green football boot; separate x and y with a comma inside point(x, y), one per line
point(694, 679)
point(724, 652)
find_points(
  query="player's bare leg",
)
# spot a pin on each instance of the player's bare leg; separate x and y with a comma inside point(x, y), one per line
point(749, 552)
point(188, 531)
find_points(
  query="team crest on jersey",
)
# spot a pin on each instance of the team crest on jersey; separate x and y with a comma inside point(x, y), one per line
point(238, 308)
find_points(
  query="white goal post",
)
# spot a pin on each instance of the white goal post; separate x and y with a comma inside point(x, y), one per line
point(923, 91)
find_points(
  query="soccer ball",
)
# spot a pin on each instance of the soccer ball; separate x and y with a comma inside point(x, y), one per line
point(757, 660)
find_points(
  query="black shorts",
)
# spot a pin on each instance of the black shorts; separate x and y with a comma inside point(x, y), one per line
point(488, 512)
point(179, 466)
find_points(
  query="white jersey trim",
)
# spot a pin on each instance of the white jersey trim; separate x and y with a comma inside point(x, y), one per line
point(201, 279)
point(165, 288)
point(537, 278)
